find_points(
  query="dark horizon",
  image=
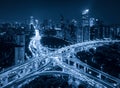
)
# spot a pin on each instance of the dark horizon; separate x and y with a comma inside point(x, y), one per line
point(19, 10)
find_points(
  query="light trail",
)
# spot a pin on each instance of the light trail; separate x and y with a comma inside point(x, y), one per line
point(35, 46)
point(38, 51)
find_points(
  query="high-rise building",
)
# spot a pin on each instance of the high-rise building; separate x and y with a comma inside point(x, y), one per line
point(20, 49)
point(32, 23)
point(106, 32)
point(85, 25)
point(63, 28)
point(92, 22)
point(37, 26)
point(93, 32)
point(97, 29)
point(85, 18)
point(73, 31)
point(114, 31)
point(31, 20)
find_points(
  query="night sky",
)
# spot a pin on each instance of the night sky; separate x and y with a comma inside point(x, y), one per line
point(20, 10)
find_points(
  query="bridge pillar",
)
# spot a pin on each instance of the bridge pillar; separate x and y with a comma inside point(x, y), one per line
point(70, 80)
point(77, 83)
point(64, 70)
point(54, 64)
point(27, 70)
point(68, 62)
point(5, 81)
point(24, 71)
point(84, 68)
point(118, 85)
point(21, 73)
point(99, 76)
point(36, 65)
point(75, 64)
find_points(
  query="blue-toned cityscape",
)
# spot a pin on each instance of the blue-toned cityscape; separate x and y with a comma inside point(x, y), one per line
point(63, 54)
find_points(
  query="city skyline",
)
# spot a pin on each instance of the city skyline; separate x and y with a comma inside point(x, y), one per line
point(12, 10)
point(59, 44)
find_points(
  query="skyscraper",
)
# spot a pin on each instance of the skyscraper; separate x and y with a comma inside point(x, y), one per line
point(20, 49)
point(31, 24)
point(31, 20)
point(92, 22)
point(85, 25)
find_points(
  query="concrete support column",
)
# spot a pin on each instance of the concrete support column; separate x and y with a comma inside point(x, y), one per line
point(61, 59)
point(54, 63)
point(24, 72)
point(75, 65)
point(118, 85)
point(19, 75)
point(85, 68)
point(5, 81)
point(28, 70)
point(36, 65)
point(99, 76)
point(63, 70)
point(68, 62)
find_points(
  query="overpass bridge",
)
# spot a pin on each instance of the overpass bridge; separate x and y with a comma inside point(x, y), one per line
point(64, 58)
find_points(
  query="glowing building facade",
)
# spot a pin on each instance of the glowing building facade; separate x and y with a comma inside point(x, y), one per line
point(85, 26)
point(20, 49)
